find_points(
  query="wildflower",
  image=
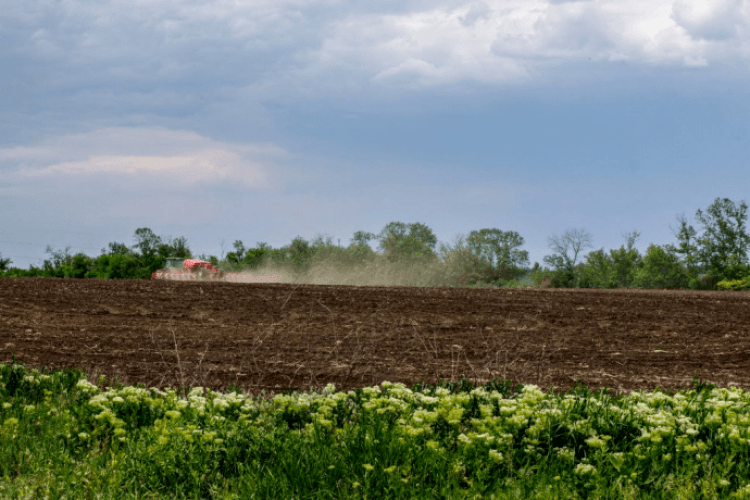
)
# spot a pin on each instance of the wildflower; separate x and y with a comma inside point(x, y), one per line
point(86, 387)
point(428, 400)
point(496, 456)
point(566, 454)
point(713, 420)
point(584, 469)
point(596, 442)
point(454, 416)
point(433, 445)
point(459, 468)
point(10, 422)
point(368, 467)
point(172, 414)
point(442, 391)
point(390, 469)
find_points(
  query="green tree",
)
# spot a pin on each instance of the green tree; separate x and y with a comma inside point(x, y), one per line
point(501, 250)
point(399, 240)
point(686, 238)
point(323, 250)
point(297, 253)
point(146, 241)
point(464, 267)
point(174, 247)
point(79, 266)
point(566, 249)
point(362, 238)
point(359, 250)
point(53, 267)
point(539, 276)
point(239, 251)
point(114, 248)
point(255, 257)
point(661, 268)
point(126, 267)
point(4, 263)
point(625, 262)
point(597, 270)
point(724, 242)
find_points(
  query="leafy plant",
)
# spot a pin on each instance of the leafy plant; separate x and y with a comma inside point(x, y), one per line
point(741, 284)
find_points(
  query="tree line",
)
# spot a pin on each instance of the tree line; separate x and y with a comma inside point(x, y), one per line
point(713, 258)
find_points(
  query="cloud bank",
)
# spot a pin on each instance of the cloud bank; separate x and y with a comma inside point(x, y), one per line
point(281, 45)
point(177, 158)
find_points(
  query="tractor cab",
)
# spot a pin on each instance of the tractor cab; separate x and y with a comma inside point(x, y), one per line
point(175, 262)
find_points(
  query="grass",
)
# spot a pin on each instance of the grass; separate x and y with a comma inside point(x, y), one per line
point(63, 437)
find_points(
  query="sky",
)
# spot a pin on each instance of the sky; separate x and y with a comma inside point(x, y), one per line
point(264, 120)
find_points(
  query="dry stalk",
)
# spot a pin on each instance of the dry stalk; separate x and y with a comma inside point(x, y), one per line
point(476, 379)
point(161, 354)
point(177, 354)
point(505, 364)
point(355, 356)
point(433, 353)
point(197, 369)
point(539, 365)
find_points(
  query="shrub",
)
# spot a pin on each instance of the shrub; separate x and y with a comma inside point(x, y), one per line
point(725, 284)
point(703, 282)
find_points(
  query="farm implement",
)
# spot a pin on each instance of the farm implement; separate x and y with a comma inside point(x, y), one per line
point(178, 269)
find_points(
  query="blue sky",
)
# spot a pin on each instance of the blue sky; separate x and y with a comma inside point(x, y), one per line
point(265, 120)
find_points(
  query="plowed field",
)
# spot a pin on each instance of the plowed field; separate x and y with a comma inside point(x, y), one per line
point(280, 336)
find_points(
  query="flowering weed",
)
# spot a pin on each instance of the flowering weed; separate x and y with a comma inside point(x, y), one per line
point(62, 437)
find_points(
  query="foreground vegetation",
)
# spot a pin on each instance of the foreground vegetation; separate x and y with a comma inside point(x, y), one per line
point(63, 437)
point(408, 254)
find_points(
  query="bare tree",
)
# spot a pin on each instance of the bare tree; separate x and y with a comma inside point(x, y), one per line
point(567, 248)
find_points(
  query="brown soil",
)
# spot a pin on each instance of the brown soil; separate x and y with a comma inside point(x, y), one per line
point(279, 336)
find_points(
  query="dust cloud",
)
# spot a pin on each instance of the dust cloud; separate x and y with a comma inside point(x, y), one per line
point(378, 272)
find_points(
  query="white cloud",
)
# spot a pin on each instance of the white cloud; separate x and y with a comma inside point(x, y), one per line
point(179, 158)
point(499, 41)
point(292, 46)
point(709, 19)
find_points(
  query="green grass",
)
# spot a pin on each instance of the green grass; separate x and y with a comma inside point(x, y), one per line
point(63, 437)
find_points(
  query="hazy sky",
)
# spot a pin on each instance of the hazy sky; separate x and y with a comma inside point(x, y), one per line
point(268, 119)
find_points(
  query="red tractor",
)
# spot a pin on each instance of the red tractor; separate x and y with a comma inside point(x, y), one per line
point(188, 270)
